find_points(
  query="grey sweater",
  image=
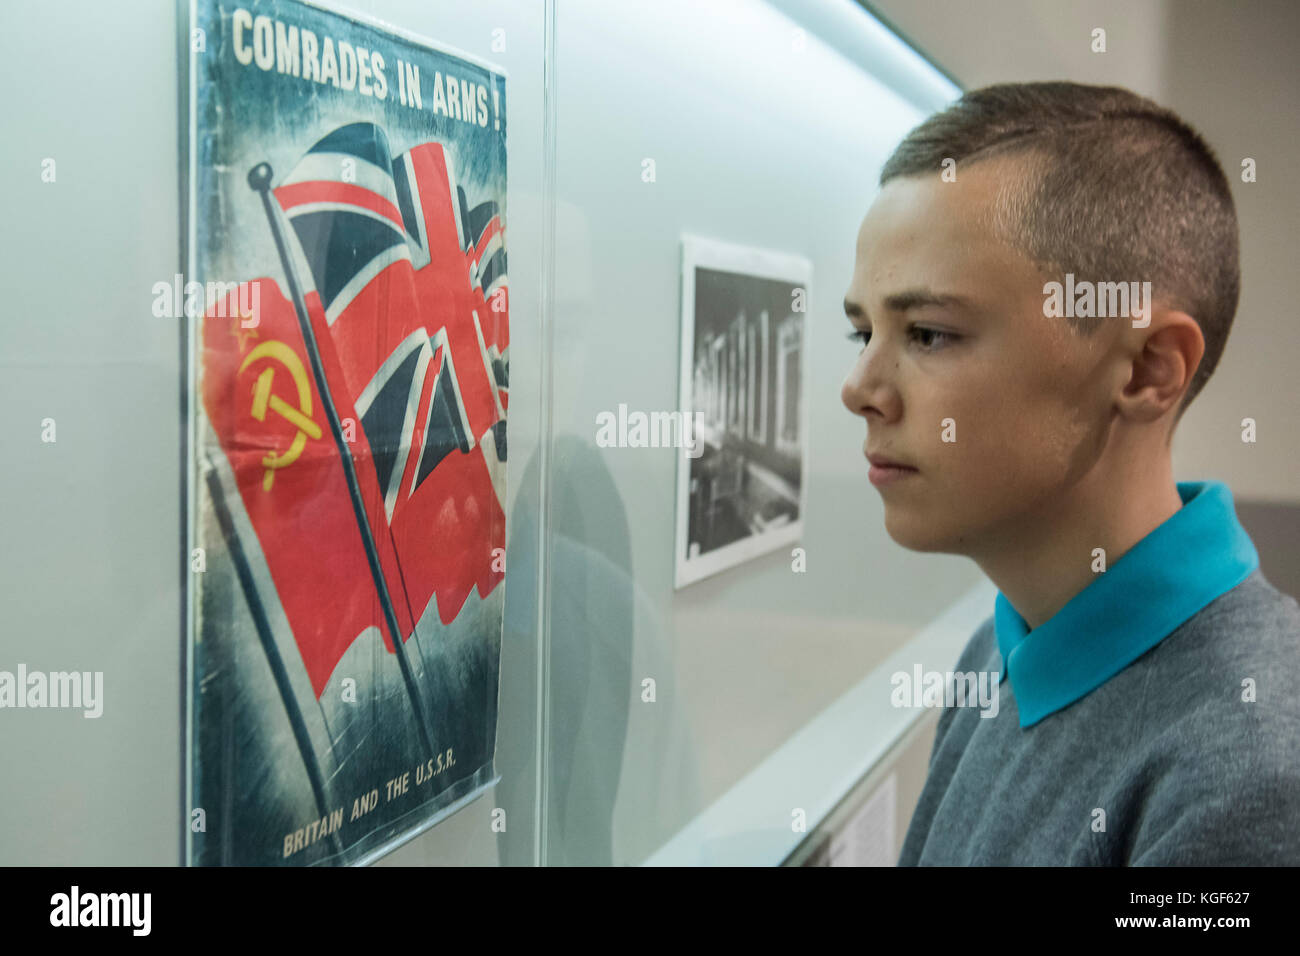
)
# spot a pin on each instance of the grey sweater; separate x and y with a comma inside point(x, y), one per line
point(1183, 770)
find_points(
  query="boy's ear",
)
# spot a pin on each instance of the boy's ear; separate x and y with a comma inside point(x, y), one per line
point(1165, 354)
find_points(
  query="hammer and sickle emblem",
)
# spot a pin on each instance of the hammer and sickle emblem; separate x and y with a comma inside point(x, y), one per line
point(262, 399)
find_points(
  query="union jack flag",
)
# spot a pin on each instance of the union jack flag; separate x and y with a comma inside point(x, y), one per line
point(406, 293)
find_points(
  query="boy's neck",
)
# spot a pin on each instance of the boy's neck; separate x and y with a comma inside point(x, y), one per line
point(1049, 558)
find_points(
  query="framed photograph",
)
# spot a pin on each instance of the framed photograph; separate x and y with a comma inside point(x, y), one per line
point(740, 484)
point(349, 351)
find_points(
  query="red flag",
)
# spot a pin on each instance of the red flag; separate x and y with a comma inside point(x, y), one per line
point(266, 409)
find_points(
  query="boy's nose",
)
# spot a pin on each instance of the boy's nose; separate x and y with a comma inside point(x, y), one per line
point(856, 391)
point(865, 390)
point(850, 391)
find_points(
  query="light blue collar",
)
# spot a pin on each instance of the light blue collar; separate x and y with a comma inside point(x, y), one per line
point(1199, 553)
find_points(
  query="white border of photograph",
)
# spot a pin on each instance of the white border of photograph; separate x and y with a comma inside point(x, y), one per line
point(698, 251)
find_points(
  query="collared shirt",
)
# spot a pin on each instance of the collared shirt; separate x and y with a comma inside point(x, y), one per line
point(1154, 720)
point(1198, 553)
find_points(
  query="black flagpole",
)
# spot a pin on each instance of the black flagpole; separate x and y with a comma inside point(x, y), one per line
point(259, 178)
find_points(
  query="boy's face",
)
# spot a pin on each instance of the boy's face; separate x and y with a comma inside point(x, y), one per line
point(1028, 399)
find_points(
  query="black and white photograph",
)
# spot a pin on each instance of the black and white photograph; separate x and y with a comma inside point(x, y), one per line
point(740, 487)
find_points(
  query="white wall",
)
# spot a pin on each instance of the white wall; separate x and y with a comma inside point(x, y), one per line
point(760, 142)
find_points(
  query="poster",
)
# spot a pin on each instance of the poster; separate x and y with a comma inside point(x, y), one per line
point(741, 495)
point(349, 358)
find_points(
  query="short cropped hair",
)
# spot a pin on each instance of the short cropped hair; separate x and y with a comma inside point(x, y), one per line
point(1113, 188)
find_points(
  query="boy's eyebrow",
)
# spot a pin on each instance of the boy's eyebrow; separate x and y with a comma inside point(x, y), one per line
point(909, 299)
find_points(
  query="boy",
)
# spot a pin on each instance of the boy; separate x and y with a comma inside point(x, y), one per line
point(1148, 673)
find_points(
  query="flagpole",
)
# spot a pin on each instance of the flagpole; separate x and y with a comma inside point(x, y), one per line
point(259, 178)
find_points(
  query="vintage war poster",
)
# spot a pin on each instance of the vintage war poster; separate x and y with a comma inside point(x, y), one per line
point(348, 372)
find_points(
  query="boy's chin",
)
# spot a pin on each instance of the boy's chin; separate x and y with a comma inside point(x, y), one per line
point(916, 534)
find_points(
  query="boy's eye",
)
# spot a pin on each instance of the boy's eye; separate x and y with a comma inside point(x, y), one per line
point(928, 337)
point(943, 338)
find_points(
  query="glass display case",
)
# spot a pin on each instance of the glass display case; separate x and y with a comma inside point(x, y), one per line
point(639, 716)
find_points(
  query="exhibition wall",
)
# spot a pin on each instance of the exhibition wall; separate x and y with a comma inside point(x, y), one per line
point(627, 707)
point(760, 136)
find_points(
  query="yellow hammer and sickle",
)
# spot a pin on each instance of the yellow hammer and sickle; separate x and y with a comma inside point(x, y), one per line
point(262, 398)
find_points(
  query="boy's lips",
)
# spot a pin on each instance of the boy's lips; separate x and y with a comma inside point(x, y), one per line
point(885, 470)
point(882, 461)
